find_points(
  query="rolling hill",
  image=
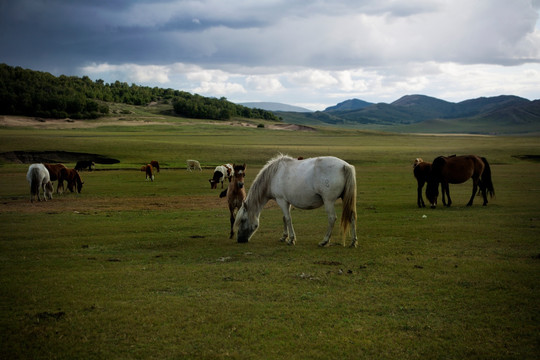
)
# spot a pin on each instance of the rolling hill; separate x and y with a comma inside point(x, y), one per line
point(505, 114)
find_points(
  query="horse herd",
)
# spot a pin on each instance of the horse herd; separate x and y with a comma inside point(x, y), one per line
point(40, 176)
point(302, 183)
point(452, 169)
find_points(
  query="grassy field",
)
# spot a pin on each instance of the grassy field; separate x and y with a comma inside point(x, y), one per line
point(135, 269)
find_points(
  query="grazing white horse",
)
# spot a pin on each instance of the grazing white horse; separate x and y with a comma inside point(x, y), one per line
point(38, 177)
point(305, 184)
point(193, 165)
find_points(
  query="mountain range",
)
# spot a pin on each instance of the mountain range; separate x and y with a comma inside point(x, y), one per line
point(505, 114)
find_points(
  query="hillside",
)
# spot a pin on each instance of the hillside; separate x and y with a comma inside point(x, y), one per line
point(26, 92)
point(503, 114)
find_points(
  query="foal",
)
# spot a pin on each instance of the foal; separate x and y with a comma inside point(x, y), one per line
point(421, 173)
point(236, 193)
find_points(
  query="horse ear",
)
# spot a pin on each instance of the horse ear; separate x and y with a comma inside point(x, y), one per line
point(245, 167)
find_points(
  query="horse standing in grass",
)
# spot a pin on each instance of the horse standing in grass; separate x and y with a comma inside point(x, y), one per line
point(235, 193)
point(83, 164)
point(155, 164)
point(193, 165)
point(457, 170)
point(57, 172)
point(74, 181)
point(305, 184)
point(421, 170)
point(38, 177)
point(149, 172)
point(220, 173)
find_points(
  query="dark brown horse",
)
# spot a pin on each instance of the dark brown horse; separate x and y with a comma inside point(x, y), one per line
point(83, 164)
point(236, 193)
point(74, 181)
point(57, 172)
point(421, 170)
point(155, 164)
point(457, 170)
point(148, 169)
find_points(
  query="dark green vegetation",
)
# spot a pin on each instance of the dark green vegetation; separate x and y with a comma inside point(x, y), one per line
point(418, 113)
point(134, 269)
point(33, 93)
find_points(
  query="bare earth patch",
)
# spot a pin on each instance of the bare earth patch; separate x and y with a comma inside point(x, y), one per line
point(41, 123)
point(86, 205)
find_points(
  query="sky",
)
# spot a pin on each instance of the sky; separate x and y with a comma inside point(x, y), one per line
point(312, 54)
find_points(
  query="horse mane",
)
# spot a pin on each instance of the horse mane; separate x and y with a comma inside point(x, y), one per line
point(258, 190)
point(438, 164)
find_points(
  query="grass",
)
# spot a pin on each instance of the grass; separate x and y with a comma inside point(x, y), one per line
point(134, 269)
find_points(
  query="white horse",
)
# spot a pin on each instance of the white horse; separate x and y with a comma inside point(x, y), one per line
point(38, 176)
point(193, 165)
point(305, 184)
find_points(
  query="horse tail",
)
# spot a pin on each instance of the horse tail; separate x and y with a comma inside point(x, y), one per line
point(349, 199)
point(486, 178)
point(223, 193)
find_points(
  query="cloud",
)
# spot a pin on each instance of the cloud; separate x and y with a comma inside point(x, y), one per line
point(279, 50)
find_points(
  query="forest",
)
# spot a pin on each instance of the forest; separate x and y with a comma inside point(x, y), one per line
point(27, 92)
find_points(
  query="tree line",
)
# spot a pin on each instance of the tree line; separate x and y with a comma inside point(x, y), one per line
point(33, 93)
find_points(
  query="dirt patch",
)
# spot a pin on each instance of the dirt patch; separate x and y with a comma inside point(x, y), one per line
point(80, 205)
point(41, 123)
point(30, 157)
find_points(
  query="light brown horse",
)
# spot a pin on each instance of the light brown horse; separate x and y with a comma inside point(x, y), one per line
point(421, 171)
point(57, 172)
point(236, 193)
point(457, 170)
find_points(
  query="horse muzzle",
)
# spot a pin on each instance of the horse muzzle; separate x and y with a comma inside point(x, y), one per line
point(242, 239)
point(240, 185)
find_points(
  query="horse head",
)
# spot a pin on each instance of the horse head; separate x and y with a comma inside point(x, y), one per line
point(239, 175)
point(245, 224)
point(433, 180)
point(79, 183)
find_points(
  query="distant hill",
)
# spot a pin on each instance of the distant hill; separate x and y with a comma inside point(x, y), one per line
point(348, 105)
point(274, 106)
point(505, 114)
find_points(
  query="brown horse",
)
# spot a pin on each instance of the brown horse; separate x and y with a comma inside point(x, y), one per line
point(457, 170)
point(155, 164)
point(421, 170)
point(149, 171)
point(74, 181)
point(236, 193)
point(57, 172)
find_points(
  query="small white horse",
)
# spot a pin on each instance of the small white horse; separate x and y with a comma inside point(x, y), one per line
point(193, 165)
point(38, 177)
point(306, 184)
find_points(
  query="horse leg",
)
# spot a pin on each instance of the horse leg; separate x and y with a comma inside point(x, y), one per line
point(420, 199)
point(483, 190)
point(446, 189)
point(331, 212)
point(288, 230)
point(474, 189)
point(231, 209)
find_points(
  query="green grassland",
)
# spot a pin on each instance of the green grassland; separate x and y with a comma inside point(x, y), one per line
point(137, 269)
